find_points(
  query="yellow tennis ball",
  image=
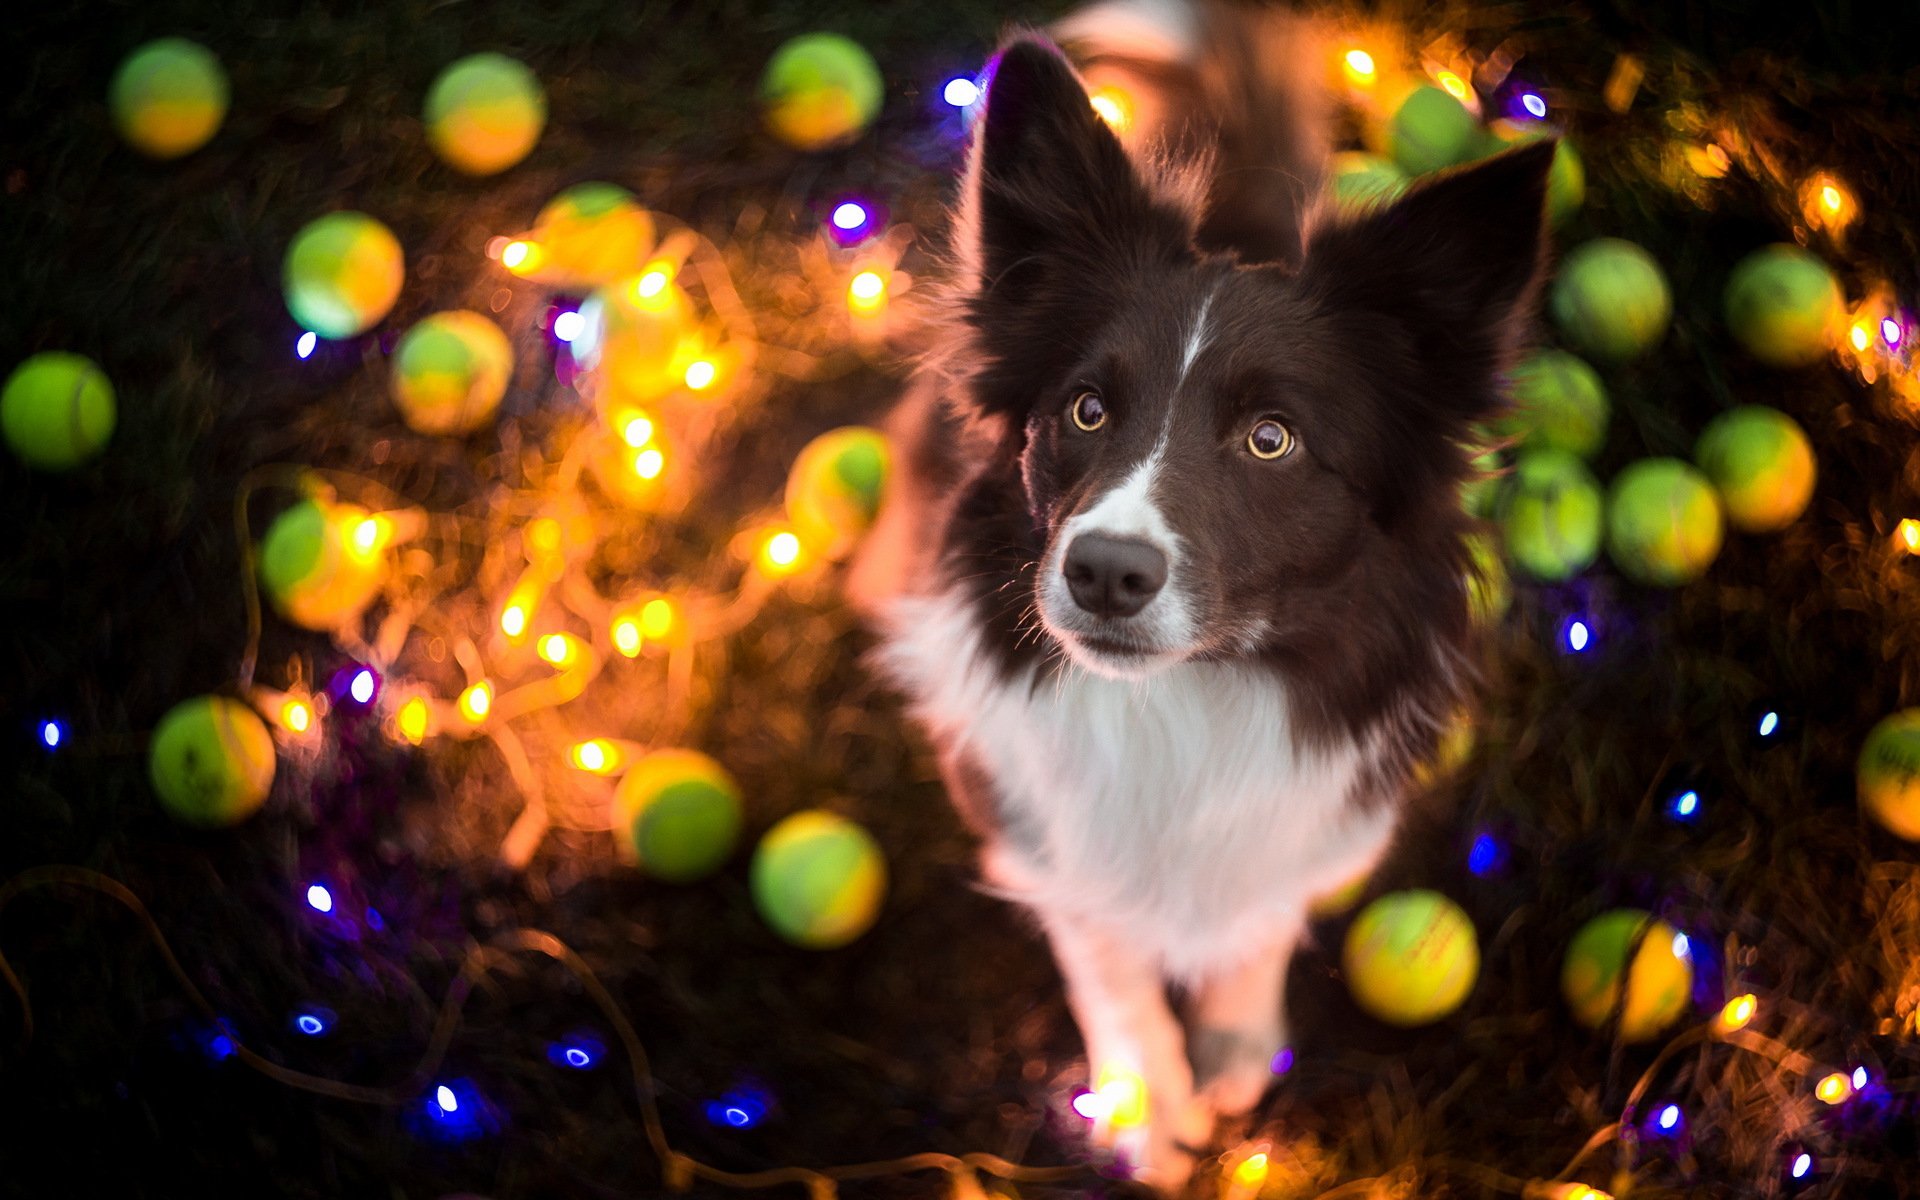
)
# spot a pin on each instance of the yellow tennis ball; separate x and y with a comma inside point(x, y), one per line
point(321, 564)
point(484, 113)
point(818, 879)
point(57, 410)
point(637, 334)
point(342, 274)
point(833, 490)
point(1889, 773)
point(820, 90)
point(1781, 301)
point(1611, 300)
point(1659, 984)
point(676, 814)
point(1761, 463)
point(169, 97)
point(211, 761)
point(1663, 522)
point(1411, 957)
point(592, 234)
point(449, 372)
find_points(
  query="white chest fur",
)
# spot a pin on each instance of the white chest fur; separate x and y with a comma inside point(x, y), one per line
point(1176, 809)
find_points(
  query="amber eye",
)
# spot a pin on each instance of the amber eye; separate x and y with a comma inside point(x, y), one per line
point(1089, 411)
point(1270, 439)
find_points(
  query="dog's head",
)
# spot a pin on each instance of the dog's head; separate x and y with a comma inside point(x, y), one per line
point(1210, 449)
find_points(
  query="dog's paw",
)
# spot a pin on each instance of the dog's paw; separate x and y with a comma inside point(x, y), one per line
point(1155, 1130)
point(1233, 1068)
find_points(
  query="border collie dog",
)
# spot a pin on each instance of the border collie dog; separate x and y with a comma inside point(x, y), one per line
point(1172, 569)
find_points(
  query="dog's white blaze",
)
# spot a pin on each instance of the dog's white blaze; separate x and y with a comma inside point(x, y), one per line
point(1174, 809)
point(1196, 341)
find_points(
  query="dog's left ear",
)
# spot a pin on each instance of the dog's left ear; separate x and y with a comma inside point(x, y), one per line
point(1449, 272)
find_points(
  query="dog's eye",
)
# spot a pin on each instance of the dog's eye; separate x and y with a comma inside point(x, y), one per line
point(1270, 439)
point(1089, 412)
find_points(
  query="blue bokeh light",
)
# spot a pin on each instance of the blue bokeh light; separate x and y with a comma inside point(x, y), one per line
point(52, 733)
point(1486, 855)
point(319, 898)
point(1685, 805)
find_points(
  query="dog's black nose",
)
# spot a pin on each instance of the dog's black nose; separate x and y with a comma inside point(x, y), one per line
point(1113, 577)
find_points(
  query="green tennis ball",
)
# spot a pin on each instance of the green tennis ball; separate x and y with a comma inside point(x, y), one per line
point(1430, 130)
point(484, 113)
point(592, 234)
point(820, 90)
point(1663, 522)
point(1659, 984)
point(450, 371)
point(818, 879)
point(833, 490)
point(677, 815)
point(1360, 180)
point(1566, 179)
point(1559, 404)
point(1760, 461)
point(1781, 301)
point(168, 98)
point(1611, 300)
point(1411, 957)
point(211, 761)
point(322, 564)
point(1552, 515)
point(57, 410)
point(1889, 773)
point(342, 274)
point(1489, 592)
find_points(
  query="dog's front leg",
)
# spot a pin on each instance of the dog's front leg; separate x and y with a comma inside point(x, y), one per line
point(1239, 1025)
point(1119, 999)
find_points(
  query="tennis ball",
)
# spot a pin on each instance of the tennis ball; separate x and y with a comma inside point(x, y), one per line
point(1411, 957)
point(1663, 522)
point(1659, 983)
point(1552, 515)
point(1889, 773)
point(1430, 130)
point(319, 569)
point(449, 372)
point(1559, 403)
point(1762, 464)
point(833, 490)
point(820, 90)
point(637, 333)
point(1611, 300)
point(1359, 179)
point(484, 113)
point(1780, 303)
point(591, 234)
point(168, 98)
point(57, 410)
point(1566, 178)
point(677, 814)
point(342, 274)
point(818, 879)
point(1489, 591)
point(211, 761)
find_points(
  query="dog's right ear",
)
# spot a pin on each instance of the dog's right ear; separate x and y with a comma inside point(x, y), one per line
point(1052, 219)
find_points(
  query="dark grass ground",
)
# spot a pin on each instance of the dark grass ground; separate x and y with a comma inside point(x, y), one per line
point(943, 1029)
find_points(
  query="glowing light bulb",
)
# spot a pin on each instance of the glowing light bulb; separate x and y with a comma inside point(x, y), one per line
point(412, 720)
point(1834, 1088)
point(1359, 67)
point(1090, 1105)
point(567, 325)
point(304, 347)
point(1827, 204)
point(781, 553)
point(1123, 1096)
point(866, 291)
point(595, 756)
point(556, 648)
point(1581, 1191)
point(1769, 722)
point(513, 620)
point(1252, 1171)
point(626, 637)
point(1682, 948)
point(319, 898)
point(849, 215)
point(1737, 1012)
point(1830, 198)
point(1114, 107)
point(701, 374)
point(649, 463)
point(1685, 805)
point(1669, 1117)
point(517, 256)
point(960, 92)
point(444, 1097)
point(51, 734)
point(1535, 106)
point(656, 618)
point(296, 716)
point(1802, 1165)
point(1579, 636)
point(312, 1024)
point(637, 431)
point(1859, 1078)
point(652, 284)
point(476, 702)
point(366, 535)
point(1909, 535)
point(1861, 335)
point(1484, 856)
point(1454, 85)
point(1890, 331)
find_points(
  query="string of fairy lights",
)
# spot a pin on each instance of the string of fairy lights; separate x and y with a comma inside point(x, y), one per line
point(663, 353)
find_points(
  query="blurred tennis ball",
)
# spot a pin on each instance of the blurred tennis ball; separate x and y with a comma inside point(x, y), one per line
point(818, 879)
point(1663, 522)
point(322, 564)
point(450, 371)
point(1888, 773)
point(169, 97)
point(1781, 301)
point(833, 490)
point(1552, 515)
point(211, 761)
point(1659, 984)
point(342, 274)
point(1559, 403)
point(1611, 300)
point(820, 90)
point(1411, 957)
point(484, 113)
point(1760, 461)
point(1359, 179)
point(676, 814)
point(1429, 130)
point(1566, 179)
point(592, 234)
point(57, 410)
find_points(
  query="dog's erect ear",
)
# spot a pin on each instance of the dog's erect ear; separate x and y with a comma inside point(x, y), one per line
point(1449, 271)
